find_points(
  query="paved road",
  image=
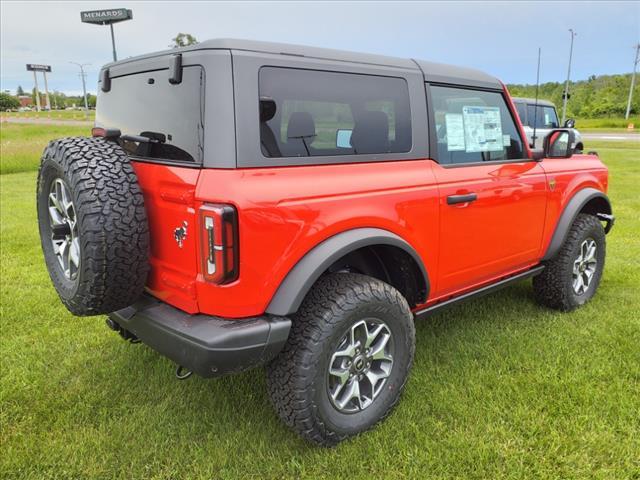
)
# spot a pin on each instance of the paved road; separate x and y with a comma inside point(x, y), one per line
point(614, 137)
point(46, 121)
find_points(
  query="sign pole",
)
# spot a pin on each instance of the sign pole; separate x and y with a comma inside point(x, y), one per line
point(107, 17)
point(113, 43)
point(35, 79)
point(46, 90)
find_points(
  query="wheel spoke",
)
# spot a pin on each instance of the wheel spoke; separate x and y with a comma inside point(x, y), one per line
point(64, 234)
point(373, 334)
point(55, 216)
point(74, 253)
point(378, 352)
point(375, 377)
point(583, 250)
point(352, 391)
point(360, 366)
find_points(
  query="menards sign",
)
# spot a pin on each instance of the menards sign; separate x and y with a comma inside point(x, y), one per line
point(104, 17)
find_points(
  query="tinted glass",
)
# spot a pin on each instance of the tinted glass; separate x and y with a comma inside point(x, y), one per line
point(147, 105)
point(522, 112)
point(546, 116)
point(473, 126)
point(306, 113)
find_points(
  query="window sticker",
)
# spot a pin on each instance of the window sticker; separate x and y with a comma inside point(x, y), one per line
point(482, 129)
point(455, 132)
point(506, 140)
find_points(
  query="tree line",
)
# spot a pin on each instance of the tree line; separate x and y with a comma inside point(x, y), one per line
point(59, 100)
point(596, 97)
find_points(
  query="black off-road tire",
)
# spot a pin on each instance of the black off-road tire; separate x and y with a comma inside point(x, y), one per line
point(110, 219)
point(553, 288)
point(297, 377)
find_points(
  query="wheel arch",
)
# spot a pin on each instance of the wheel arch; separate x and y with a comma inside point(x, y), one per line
point(587, 200)
point(390, 255)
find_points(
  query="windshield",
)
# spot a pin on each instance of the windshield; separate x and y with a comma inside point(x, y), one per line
point(546, 116)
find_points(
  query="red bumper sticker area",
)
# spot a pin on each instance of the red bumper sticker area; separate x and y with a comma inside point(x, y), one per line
point(169, 202)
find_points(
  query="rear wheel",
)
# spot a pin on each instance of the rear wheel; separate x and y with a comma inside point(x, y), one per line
point(572, 277)
point(346, 361)
point(93, 225)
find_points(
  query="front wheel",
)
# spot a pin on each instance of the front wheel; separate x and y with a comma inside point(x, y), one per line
point(346, 361)
point(572, 277)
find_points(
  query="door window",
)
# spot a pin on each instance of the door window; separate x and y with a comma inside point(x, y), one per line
point(473, 126)
point(543, 116)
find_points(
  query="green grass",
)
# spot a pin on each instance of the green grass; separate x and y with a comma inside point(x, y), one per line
point(21, 144)
point(501, 388)
point(54, 114)
point(611, 123)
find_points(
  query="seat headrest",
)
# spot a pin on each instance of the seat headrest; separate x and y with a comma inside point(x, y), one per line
point(371, 133)
point(267, 109)
point(301, 125)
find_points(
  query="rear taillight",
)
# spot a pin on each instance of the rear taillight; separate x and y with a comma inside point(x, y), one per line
point(105, 132)
point(219, 227)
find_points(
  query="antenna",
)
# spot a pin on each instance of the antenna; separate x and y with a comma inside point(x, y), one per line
point(535, 108)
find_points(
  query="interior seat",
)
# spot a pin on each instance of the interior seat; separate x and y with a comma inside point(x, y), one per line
point(301, 131)
point(371, 133)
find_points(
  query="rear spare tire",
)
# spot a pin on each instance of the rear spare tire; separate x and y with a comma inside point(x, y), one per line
point(93, 225)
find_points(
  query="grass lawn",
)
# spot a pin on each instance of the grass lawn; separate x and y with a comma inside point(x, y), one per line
point(22, 144)
point(501, 388)
point(53, 114)
point(610, 123)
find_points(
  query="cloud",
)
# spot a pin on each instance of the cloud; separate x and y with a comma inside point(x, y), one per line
point(498, 37)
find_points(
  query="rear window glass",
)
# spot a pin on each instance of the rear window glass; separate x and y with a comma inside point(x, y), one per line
point(307, 113)
point(147, 105)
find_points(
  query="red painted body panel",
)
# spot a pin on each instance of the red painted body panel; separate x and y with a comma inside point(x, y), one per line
point(169, 194)
point(570, 175)
point(284, 212)
point(499, 232)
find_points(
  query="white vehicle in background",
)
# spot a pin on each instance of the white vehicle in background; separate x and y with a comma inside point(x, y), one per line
point(547, 120)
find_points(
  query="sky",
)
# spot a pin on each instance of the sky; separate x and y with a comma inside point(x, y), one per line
point(501, 38)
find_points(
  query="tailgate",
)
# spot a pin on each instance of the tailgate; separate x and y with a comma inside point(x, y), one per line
point(169, 202)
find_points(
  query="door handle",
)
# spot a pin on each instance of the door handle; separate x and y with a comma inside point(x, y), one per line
point(466, 198)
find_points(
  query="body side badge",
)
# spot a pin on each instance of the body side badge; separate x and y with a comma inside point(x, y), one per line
point(552, 184)
point(180, 233)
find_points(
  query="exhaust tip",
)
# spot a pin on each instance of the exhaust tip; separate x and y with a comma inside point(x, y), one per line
point(112, 324)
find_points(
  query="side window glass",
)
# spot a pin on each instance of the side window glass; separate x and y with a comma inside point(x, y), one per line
point(473, 126)
point(307, 113)
point(522, 113)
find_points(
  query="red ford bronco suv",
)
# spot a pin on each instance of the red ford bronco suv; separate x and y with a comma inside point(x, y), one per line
point(244, 203)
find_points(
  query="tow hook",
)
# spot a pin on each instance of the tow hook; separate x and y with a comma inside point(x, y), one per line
point(609, 219)
point(182, 373)
point(125, 334)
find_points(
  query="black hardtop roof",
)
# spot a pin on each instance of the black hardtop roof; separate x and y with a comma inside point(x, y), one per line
point(433, 72)
point(532, 101)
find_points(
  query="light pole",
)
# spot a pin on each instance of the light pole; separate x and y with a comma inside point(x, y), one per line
point(633, 81)
point(84, 87)
point(566, 85)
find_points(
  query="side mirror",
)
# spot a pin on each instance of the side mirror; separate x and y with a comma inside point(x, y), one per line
point(559, 143)
point(343, 138)
point(570, 123)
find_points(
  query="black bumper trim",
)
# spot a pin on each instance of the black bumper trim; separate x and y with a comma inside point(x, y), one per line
point(209, 346)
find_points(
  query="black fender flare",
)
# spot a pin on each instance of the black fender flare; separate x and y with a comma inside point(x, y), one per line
point(569, 214)
point(304, 274)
